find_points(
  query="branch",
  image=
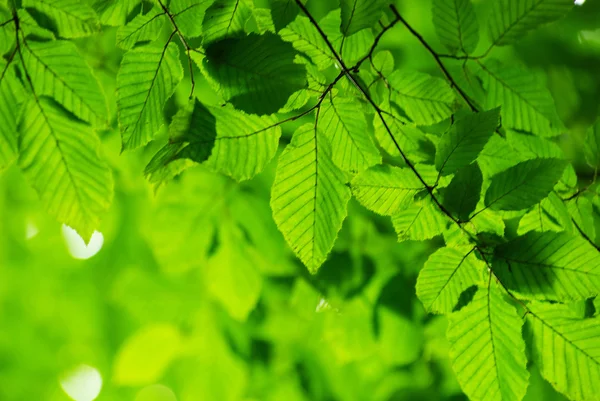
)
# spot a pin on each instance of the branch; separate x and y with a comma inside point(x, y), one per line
point(184, 43)
point(379, 112)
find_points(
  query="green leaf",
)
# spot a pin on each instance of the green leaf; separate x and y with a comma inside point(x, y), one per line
point(283, 12)
point(550, 214)
point(549, 266)
point(225, 19)
point(419, 222)
point(229, 141)
point(592, 145)
point(572, 362)
point(147, 78)
point(146, 355)
point(256, 73)
point(306, 39)
point(582, 213)
point(462, 195)
point(487, 348)
point(526, 103)
point(343, 122)
point(7, 31)
point(187, 14)
point(524, 185)
point(143, 28)
point(11, 99)
point(114, 12)
point(466, 138)
point(456, 25)
point(360, 14)
point(73, 18)
point(309, 198)
point(409, 138)
point(58, 71)
point(59, 157)
point(446, 274)
point(513, 19)
point(386, 190)
point(426, 100)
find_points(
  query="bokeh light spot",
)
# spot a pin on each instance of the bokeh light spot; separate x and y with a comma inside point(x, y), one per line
point(76, 245)
point(82, 384)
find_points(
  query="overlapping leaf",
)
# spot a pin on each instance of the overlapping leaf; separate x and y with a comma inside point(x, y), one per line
point(513, 19)
point(256, 73)
point(487, 348)
point(360, 14)
point(343, 122)
point(526, 104)
point(11, 98)
point(456, 24)
point(57, 70)
point(188, 14)
point(419, 222)
point(425, 99)
point(59, 157)
point(446, 274)
point(147, 78)
point(225, 18)
point(385, 189)
point(566, 349)
point(462, 194)
point(73, 18)
point(523, 185)
point(143, 28)
point(549, 265)
point(466, 138)
point(309, 198)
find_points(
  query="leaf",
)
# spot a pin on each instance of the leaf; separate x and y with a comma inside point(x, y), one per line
point(462, 195)
point(309, 198)
point(487, 349)
point(59, 157)
point(256, 73)
point(548, 215)
point(386, 190)
point(343, 122)
point(225, 19)
point(306, 39)
point(244, 143)
point(114, 12)
point(466, 138)
point(582, 213)
point(360, 14)
point(232, 276)
point(523, 185)
point(187, 14)
point(419, 222)
point(283, 12)
point(147, 78)
point(146, 355)
point(446, 275)
point(58, 71)
point(511, 20)
point(427, 100)
point(572, 363)
point(592, 145)
point(526, 103)
point(549, 266)
point(7, 31)
point(456, 25)
point(73, 18)
point(409, 138)
point(11, 99)
point(229, 141)
point(143, 28)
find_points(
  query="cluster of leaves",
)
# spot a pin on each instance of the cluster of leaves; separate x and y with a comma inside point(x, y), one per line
point(469, 155)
